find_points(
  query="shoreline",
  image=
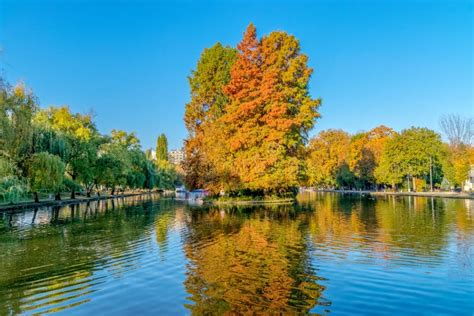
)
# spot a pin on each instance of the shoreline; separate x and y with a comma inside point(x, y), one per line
point(453, 195)
point(17, 207)
point(31, 205)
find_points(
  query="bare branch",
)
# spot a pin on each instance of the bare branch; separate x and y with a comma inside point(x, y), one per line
point(459, 130)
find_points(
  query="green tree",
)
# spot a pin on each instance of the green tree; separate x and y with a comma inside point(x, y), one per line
point(149, 170)
point(109, 172)
point(123, 162)
point(457, 163)
point(162, 147)
point(125, 140)
point(17, 108)
point(327, 154)
point(413, 154)
point(207, 104)
point(79, 134)
point(46, 173)
point(12, 189)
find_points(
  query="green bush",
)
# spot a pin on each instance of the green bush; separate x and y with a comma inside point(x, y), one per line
point(12, 189)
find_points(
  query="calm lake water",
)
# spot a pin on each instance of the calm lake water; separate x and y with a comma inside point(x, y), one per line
point(330, 254)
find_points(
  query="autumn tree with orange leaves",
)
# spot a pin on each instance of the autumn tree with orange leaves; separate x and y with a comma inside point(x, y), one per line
point(270, 111)
point(337, 159)
point(258, 144)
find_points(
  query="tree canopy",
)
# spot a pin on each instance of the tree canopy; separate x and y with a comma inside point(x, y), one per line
point(248, 131)
point(54, 150)
point(162, 147)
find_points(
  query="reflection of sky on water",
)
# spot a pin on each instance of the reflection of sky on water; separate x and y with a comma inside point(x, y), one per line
point(330, 253)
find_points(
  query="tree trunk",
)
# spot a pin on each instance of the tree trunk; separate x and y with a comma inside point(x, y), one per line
point(88, 194)
point(113, 191)
point(414, 183)
point(57, 197)
point(431, 174)
point(73, 190)
point(36, 197)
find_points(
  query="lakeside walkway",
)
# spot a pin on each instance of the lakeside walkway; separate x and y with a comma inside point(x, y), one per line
point(454, 195)
point(44, 203)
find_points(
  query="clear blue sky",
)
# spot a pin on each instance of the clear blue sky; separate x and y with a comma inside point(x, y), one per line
point(398, 63)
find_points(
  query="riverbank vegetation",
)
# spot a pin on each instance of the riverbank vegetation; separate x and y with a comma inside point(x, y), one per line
point(415, 159)
point(53, 150)
point(248, 122)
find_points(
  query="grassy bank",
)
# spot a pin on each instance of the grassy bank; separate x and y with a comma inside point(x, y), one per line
point(252, 202)
point(251, 199)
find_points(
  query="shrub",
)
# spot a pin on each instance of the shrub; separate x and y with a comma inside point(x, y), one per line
point(12, 189)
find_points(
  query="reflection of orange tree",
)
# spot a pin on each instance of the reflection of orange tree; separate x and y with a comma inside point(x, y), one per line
point(328, 222)
point(249, 263)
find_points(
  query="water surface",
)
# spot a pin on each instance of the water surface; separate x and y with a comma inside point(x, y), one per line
point(330, 254)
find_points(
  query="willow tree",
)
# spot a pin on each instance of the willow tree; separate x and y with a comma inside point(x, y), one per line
point(46, 173)
point(270, 112)
point(80, 135)
point(17, 108)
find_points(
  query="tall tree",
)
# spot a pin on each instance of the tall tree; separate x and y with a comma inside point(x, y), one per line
point(270, 112)
point(457, 163)
point(208, 103)
point(17, 108)
point(364, 155)
point(413, 154)
point(162, 148)
point(327, 157)
point(123, 150)
point(81, 137)
point(46, 173)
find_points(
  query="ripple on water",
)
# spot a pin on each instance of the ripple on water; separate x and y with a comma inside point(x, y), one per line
point(334, 255)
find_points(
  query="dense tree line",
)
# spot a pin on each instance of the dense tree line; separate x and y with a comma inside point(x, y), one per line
point(248, 122)
point(414, 159)
point(52, 151)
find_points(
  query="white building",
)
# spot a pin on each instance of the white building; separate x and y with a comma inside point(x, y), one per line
point(176, 156)
point(469, 183)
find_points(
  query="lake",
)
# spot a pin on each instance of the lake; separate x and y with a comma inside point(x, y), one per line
point(329, 254)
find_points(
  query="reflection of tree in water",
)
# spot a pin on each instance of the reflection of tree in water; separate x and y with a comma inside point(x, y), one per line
point(164, 219)
point(51, 267)
point(249, 260)
point(412, 223)
point(386, 225)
